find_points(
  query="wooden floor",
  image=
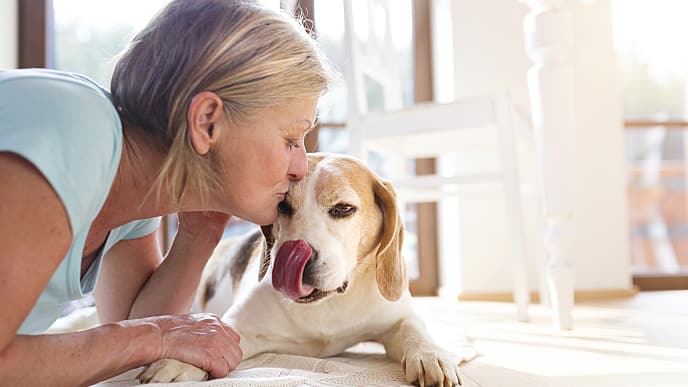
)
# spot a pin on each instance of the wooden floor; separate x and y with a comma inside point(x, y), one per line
point(639, 341)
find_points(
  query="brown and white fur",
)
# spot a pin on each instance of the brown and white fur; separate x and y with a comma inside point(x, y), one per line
point(349, 217)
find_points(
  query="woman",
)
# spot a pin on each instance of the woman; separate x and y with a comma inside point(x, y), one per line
point(210, 104)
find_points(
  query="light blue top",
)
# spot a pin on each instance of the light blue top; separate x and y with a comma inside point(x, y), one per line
point(66, 125)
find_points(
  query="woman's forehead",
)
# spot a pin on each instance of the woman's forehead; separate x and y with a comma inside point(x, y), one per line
point(295, 115)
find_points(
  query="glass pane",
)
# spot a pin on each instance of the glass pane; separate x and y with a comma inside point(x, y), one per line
point(329, 25)
point(89, 34)
point(657, 199)
point(333, 140)
point(648, 36)
point(653, 71)
point(410, 247)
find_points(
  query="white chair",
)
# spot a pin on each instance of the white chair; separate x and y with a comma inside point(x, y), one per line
point(426, 130)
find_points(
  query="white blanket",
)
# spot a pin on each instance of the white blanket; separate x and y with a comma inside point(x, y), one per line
point(362, 365)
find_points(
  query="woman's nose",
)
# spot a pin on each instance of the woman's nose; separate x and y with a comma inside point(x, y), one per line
point(298, 164)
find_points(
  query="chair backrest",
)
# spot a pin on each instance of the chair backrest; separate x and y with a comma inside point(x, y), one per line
point(375, 97)
point(372, 66)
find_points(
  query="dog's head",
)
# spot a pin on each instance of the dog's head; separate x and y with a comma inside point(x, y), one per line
point(333, 225)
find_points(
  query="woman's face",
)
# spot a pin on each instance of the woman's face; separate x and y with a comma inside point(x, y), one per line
point(261, 156)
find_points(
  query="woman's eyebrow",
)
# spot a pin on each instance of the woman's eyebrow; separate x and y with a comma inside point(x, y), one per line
point(298, 124)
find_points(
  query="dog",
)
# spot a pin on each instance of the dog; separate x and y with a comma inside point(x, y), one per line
point(330, 275)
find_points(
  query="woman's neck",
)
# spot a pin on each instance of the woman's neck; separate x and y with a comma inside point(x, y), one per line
point(130, 197)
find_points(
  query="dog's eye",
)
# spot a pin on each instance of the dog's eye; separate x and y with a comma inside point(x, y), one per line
point(285, 208)
point(342, 210)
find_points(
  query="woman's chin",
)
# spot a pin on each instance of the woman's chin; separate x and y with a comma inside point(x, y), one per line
point(264, 219)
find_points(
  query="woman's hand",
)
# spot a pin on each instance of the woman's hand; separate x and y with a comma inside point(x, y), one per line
point(202, 340)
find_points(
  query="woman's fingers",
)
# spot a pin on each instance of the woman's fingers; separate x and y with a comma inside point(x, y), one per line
point(202, 340)
point(229, 331)
point(231, 354)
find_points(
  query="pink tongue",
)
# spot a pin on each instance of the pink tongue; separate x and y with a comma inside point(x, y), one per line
point(287, 273)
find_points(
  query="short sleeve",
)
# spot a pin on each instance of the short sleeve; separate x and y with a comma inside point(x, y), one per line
point(140, 228)
point(66, 127)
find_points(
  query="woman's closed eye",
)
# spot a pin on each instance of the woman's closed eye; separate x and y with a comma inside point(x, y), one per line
point(293, 143)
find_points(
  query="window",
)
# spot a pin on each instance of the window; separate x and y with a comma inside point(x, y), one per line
point(653, 70)
point(330, 33)
point(89, 34)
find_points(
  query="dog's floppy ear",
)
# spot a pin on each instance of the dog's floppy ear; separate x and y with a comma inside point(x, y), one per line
point(269, 242)
point(390, 270)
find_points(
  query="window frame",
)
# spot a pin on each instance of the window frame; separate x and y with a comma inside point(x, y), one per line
point(659, 281)
point(35, 33)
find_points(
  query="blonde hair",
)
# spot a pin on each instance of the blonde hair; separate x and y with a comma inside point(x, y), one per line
point(249, 55)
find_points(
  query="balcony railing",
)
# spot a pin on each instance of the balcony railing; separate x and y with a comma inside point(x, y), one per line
point(658, 202)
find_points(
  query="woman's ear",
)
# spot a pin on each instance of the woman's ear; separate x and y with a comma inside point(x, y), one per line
point(204, 118)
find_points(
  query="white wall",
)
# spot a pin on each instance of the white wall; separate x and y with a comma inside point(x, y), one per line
point(8, 34)
point(489, 55)
point(601, 200)
point(489, 52)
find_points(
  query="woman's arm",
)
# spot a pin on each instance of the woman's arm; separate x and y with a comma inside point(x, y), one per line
point(133, 282)
point(35, 235)
point(80, 358)
point(87, 357)
point(124, 271)
point(197, 236)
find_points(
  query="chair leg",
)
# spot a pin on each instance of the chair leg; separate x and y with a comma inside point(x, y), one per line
point(541, 260)
point(560, 273)
point(551, 89)
point(514, 203)
point(536, 227)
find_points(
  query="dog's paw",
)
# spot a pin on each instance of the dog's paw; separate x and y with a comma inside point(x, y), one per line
point(169, 370)
point(431, 366)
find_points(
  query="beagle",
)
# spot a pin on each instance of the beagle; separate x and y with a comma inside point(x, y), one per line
point(330, 275)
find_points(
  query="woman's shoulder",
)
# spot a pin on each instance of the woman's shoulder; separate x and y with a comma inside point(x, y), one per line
point(40, 76)
point(66, 126)
point(47, 91)
point(44, 100)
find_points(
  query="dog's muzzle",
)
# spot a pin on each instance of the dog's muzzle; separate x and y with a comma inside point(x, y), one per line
point(294, 275)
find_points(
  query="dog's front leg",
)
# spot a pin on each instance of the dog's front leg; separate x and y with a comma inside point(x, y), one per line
point(424, 362)
point(170, 370)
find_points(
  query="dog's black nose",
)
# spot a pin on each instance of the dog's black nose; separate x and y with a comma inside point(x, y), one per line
point(342, 288)
point(309, 270)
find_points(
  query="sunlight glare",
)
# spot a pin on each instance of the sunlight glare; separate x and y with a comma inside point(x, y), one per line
point(653, 30)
